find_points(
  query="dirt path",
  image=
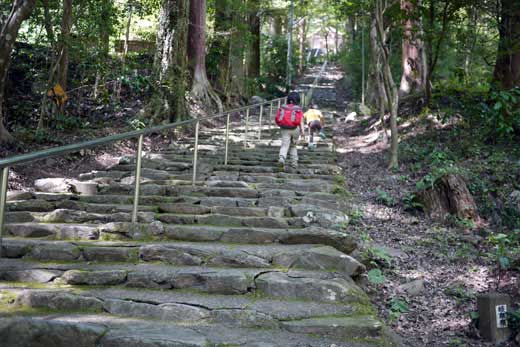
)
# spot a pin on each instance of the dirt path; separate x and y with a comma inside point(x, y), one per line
point(442, 266)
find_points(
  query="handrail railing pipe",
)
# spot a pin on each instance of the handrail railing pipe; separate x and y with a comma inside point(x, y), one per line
point(3, 198)
point(271, 116)
point(195, 153)
point(137, 187)
point(227, 139)
point(248, 111)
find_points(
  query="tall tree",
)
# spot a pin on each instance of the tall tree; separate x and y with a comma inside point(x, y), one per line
point(63, 46)
point(171, 63)
point(253, 9)
point(20, 11)
point(201, 89)
point(303, 38)
point(392, 95)
point(413, 79)
point(507, 67)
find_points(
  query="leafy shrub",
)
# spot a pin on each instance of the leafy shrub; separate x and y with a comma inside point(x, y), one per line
point(503, 118)
point(375, 276)
point(385, 198)
point(397, 307)
point(411, 203)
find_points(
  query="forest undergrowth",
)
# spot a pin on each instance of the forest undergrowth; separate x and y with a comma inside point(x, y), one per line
point(424, 276)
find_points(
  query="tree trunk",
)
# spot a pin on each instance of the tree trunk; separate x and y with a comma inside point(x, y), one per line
point(376, 75)
point(433, 53)
point(104, 24)
point(237, 48)
point(449, 196)
point(220, 47)
point(336, 39)
point(130, 6)
point(20, 11)
point(171, 63)
point(201, 89)
point(392, 95)
point(253, 70)
point(47, 19)
point(413, 79)
point(278, 25)
point(63, 47)
point(303, 38)
point(507, 67)
point(164, 41)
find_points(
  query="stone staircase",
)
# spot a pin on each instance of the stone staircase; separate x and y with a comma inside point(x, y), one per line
point(249, 256)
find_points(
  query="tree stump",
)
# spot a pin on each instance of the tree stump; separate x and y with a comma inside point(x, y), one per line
point(449, 196)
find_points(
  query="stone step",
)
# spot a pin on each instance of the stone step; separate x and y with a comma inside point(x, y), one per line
point(103, 330)
point(179, 306)
point(192, 233)
point(305, 257)
point(45, 202)
point(317, 286)
point(242, 217)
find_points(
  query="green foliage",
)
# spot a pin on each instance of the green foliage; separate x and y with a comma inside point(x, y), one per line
point(505, 247)
point(460, 293)
point(514, 321)
point(504, 116)
point(441, 164)
point(137, 83)
point(381, 255)
point(274, 63)
point(411, 203)
point(385, 198)
point(341, 191)
point(456, 343)
point(137, 124)
point(398, 306)
point(375, 276)
point(355, 217)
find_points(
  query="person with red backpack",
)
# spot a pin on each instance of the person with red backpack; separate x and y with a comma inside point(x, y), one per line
point(290, 120)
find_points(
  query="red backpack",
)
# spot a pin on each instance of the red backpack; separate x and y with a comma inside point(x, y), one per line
point(289, 117)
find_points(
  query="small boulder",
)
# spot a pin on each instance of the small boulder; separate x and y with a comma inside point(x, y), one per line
point(255, 99)
point(53, 185)
point(413, 288)
point(514, 201)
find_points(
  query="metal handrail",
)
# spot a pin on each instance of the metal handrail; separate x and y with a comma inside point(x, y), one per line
point(56, 151)
point(6, 163)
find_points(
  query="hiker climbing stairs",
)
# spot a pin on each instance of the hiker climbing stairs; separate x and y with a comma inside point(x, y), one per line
point(247, 255)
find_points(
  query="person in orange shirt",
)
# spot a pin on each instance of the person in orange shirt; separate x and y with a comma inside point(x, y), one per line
point(315, 123)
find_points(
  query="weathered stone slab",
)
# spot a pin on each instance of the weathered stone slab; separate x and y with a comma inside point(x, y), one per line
point(60, 251)
point(280, 285)
point(56, 300)
point(94, 278)
point(109, 254)
point(320, 258)
point(343, 328)
point(170, 255)
point(37, 332)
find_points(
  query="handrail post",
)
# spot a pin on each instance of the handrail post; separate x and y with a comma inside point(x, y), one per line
point(303, 99)
point(271, 117)
point(3, 202)
point(137, 187)
point(227, 139)
point(260, 122)
point(195, 153)
point(247, 127)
